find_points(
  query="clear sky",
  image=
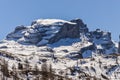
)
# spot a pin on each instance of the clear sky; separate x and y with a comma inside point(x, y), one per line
point(103, 14)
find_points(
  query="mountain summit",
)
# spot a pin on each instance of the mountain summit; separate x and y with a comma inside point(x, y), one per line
point(45, 31)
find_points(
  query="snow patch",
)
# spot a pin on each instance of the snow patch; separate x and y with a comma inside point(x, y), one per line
point(52, 22)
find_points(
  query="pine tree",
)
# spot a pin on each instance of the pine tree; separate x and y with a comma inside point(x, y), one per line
point(15, 75)
point(36, 72)
point(44, 72)
point(4, 69)
point(27, 68)
point(51, 74)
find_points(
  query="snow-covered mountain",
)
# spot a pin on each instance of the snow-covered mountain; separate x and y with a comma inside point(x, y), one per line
point(50, 31)
point(68, 46)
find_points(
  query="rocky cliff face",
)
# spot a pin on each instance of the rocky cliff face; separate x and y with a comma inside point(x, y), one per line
point(42, 32)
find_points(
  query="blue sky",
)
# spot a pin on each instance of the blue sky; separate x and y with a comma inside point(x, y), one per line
point(103, 14)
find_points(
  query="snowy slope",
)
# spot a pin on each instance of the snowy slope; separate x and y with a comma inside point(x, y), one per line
point(95, 66)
